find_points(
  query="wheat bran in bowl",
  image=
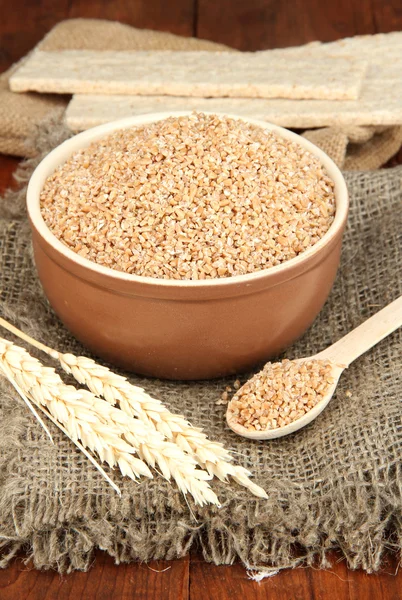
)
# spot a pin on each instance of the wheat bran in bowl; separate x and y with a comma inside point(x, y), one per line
point(191, 197)
point(181, 328)
point(281, 393)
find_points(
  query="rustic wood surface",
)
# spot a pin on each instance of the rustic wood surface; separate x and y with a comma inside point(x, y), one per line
point(248, 25)
point(191, 578)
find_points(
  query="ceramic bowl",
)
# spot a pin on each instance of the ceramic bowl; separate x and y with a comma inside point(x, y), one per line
point(183, 329)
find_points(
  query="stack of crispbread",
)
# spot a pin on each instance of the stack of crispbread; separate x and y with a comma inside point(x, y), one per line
point(352, 87)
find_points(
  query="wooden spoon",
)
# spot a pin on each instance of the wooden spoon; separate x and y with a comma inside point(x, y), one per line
point(340, 354)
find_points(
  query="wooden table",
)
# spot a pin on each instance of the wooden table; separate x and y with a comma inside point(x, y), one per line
point(248, 25)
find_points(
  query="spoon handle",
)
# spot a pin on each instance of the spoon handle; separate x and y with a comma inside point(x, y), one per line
point(366, 335)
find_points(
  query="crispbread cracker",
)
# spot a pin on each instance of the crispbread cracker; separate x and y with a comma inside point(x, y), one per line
point(378, 105)
point(383, 52)
point(201, 74)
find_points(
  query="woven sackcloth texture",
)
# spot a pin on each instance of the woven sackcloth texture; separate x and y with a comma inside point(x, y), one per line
point(21, 114)
point(337, 483)
point(357, 148)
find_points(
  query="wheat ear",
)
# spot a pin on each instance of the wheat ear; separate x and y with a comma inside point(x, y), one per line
point(134, 401)
point(104, 429)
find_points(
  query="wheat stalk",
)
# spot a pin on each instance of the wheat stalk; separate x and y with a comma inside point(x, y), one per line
point(134, 401)
point(106, 430)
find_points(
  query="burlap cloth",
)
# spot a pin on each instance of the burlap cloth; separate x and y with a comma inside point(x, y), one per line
point(352, 148)
point(334, 484)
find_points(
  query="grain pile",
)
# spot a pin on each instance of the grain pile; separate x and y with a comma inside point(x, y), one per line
point(281, 393)
point(192, 197)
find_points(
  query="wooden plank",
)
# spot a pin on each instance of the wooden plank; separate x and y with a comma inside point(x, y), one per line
point(337, 583)
point(23, 24)
point(8, 164)
point(196, 580)
point(158, 580)
point(259, 24)
point(176, 16)
point(200, 74)
point(386, 16)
